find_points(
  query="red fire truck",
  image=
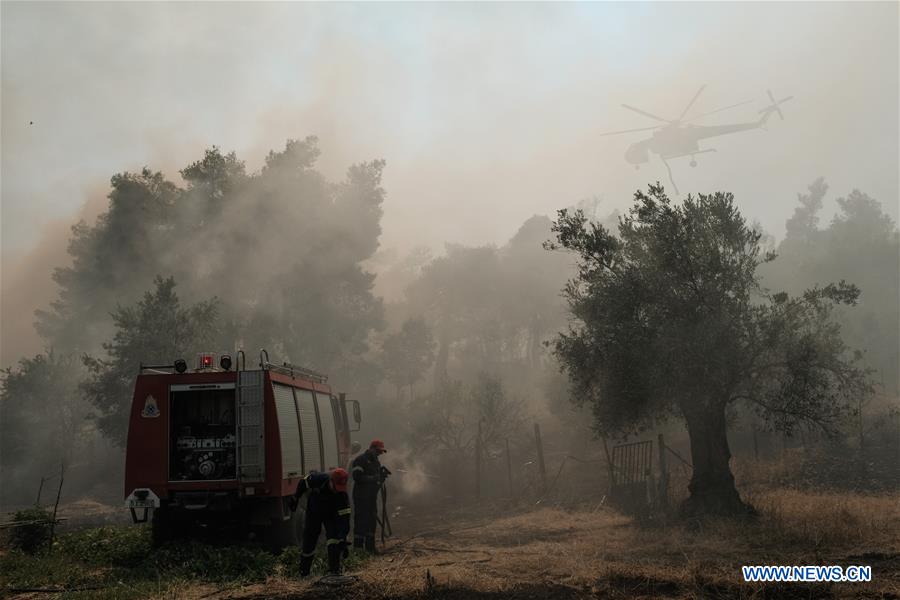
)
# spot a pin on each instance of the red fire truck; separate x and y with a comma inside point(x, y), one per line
point(220, 445)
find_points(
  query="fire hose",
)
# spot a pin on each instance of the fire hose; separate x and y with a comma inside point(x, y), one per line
point(384, 522)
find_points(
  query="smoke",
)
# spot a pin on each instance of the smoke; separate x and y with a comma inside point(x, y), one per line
point(409, 472)
point(493, 110)
point(486, 114)
point(27, 283)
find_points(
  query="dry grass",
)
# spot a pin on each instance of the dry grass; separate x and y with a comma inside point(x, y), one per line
point(827, 520)
point(594, 552)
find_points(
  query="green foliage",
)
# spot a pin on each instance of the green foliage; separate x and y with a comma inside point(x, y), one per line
point(491, 308)
point(42, 417)
point(408, 354)
point(500, 414)
point(112, 261)
point(195, 560)
point(671, 319)
point(213, 177)
point(861, 244)
point(457, 293)
point(33, 534)
point(120, 562)
point(155, 330)
point(282, 249)
point(116, 546)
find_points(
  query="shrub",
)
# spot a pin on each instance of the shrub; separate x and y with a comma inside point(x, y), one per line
point(34, 531)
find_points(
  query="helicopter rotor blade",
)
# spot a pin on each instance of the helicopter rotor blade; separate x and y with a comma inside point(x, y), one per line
point(645, 113)
point(691, 103)
point(712, 112)
point(775, 104)
point(629, 130)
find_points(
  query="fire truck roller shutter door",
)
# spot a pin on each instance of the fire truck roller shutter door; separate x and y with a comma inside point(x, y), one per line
point(329, 431)
point(289, 432)
point(309, 427)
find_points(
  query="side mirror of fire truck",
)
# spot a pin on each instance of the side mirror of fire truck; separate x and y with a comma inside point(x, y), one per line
point(357, 413)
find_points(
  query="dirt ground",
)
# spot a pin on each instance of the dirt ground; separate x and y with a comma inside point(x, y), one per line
point(519, 550)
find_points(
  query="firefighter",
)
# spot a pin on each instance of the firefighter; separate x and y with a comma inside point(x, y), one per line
point(368, 477)
point(328, 505)
point(355, 447)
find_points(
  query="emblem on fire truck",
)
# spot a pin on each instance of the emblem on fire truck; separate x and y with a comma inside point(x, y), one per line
point(151, 410)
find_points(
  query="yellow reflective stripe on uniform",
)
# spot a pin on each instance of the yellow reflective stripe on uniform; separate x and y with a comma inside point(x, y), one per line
point(344, 511)
point(333, 541)
point(308, 554)
point(358, 469)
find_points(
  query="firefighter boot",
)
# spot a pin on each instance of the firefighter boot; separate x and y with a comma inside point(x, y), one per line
point(334, 559)
point(306, 563)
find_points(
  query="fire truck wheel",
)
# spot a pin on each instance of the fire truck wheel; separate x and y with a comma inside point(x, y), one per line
point(165, 526)
point(284, 534)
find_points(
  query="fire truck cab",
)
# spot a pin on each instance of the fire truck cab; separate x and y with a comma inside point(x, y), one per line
point(222, 446)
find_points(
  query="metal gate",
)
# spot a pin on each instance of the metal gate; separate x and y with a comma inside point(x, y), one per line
point(631, 473)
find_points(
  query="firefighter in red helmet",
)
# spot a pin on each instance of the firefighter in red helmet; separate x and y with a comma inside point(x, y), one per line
point(328, 505)
point(368, 477)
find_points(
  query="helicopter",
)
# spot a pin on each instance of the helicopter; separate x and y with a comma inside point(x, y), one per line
point(678, 138)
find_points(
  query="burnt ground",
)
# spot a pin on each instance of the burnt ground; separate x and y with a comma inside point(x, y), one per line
point(531, 552)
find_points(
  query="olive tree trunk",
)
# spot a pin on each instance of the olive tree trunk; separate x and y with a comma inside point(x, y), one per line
point(712, 483)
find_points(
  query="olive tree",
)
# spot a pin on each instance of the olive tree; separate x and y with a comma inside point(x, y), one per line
point(670, 320)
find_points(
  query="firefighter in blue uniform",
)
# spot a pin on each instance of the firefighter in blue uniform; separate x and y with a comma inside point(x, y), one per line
point(368, 477)
point(328, 505)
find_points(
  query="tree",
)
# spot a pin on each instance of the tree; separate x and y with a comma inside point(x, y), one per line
point(447, 420)
point(670, 319)
point(531, 309)
point(803, 225)
point(42, 417)
point(459, 294)
point(500, 414)
point(155, 330)
point(861, 243)
point(442, 420)
point(215, 176)
point(408, 354)
point(111, 260)
point(283, 249)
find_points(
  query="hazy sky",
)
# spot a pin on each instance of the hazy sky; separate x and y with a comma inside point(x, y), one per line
point(485, 113)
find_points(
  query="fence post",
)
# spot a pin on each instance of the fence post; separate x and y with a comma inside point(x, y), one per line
point(509, 468)
point(663, 474)
point(62, 474)
point(478, 463)
point(540, 457)
point(609, 465)
point(40, 489)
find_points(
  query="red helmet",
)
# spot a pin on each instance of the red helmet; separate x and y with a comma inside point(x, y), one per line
point(377, 445)
point(339, 478)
